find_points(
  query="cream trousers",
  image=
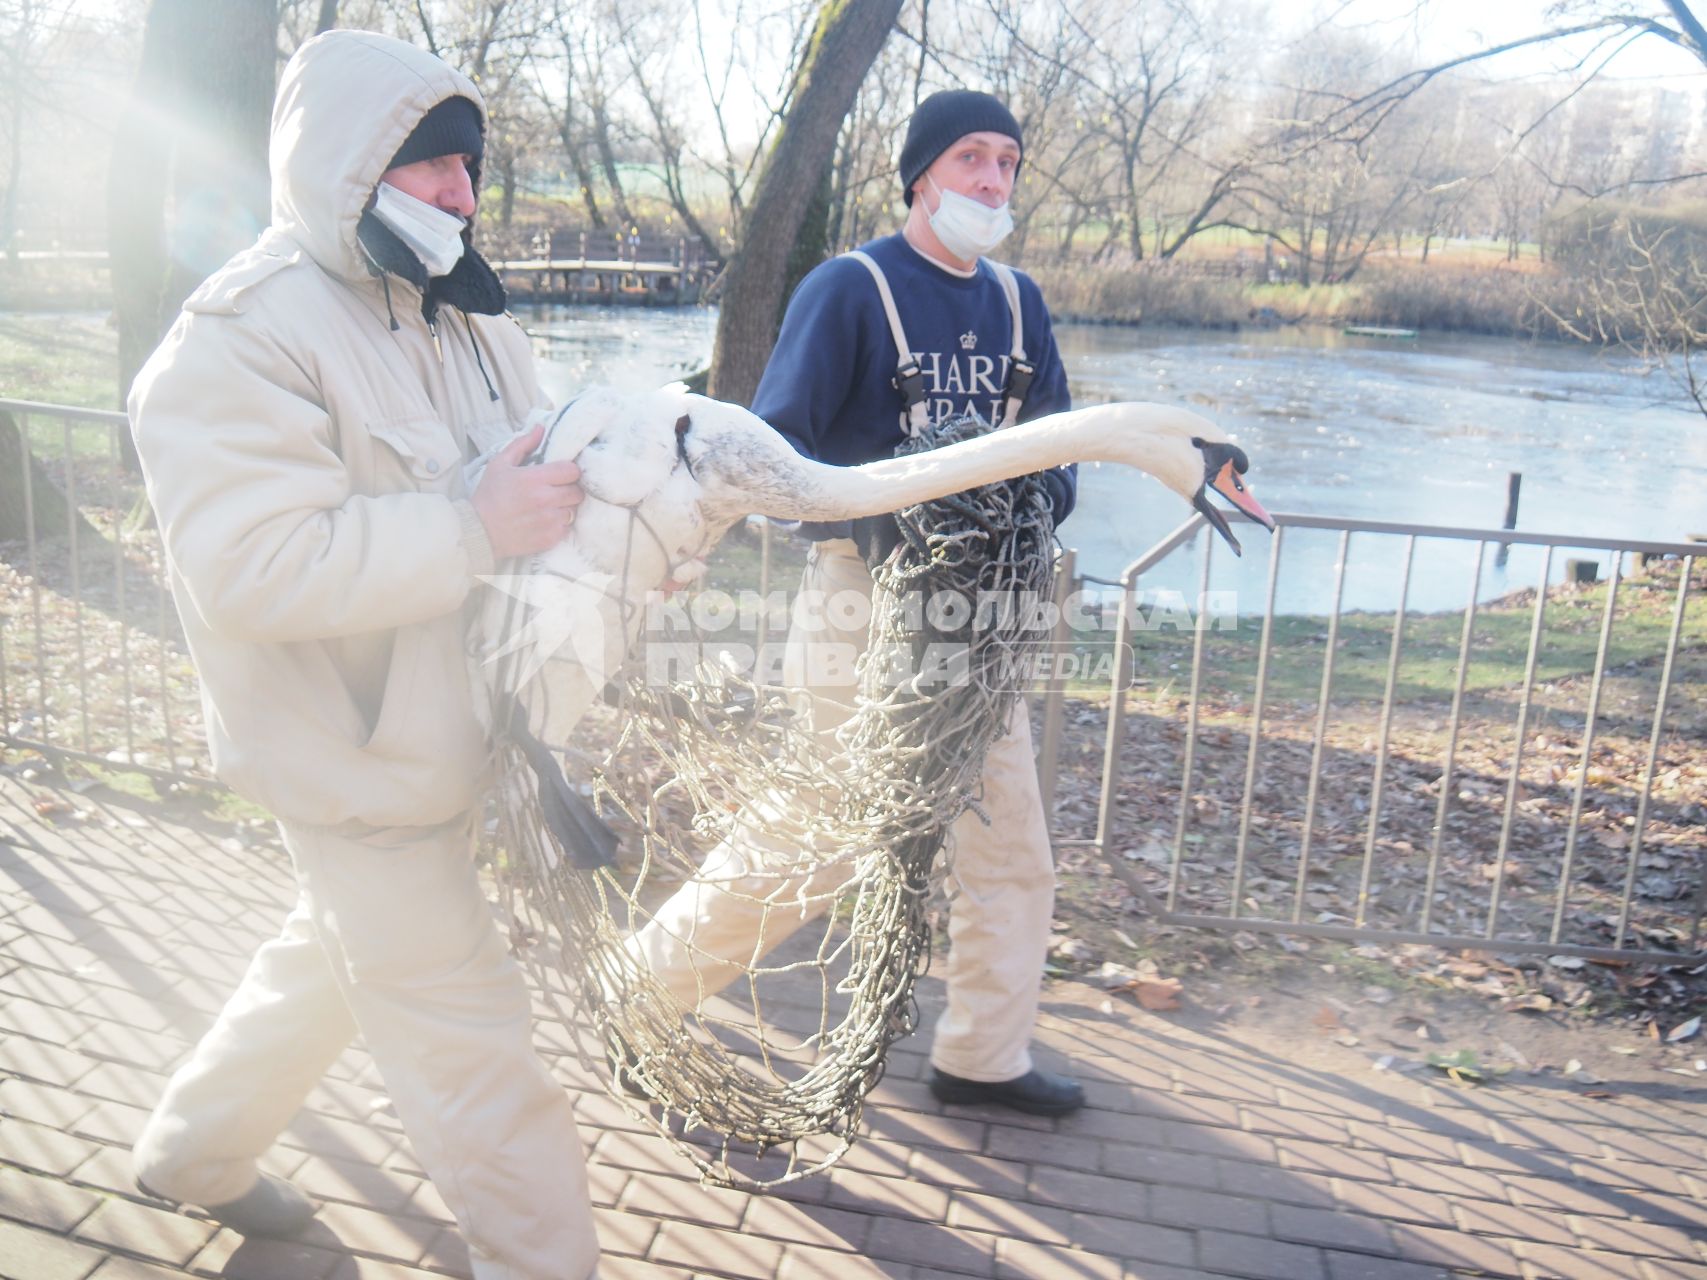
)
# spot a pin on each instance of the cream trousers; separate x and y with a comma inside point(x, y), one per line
point(1001, 874)
point(391, 935)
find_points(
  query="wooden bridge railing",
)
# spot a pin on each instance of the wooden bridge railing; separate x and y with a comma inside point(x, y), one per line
point(603, 266)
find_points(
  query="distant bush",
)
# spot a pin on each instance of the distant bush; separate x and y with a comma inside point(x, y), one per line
point(1407, 295)
point(1159, 295)
point(1636, 275)
point(1459, 299)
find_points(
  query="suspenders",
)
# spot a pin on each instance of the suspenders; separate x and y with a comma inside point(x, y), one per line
point(910, 379)
point(1020, 370)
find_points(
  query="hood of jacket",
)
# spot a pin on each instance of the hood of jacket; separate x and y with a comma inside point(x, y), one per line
point(346, 103)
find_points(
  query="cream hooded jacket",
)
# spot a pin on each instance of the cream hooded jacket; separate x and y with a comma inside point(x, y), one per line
point(304, 459)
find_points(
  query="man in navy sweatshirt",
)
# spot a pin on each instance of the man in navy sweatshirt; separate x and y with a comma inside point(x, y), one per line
point(831, 389)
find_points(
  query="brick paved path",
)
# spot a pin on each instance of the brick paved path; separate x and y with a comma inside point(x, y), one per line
point(1199, 1155)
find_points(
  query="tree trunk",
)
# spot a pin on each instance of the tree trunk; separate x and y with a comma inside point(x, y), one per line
point(589, 202)
point(846, 41)
point(607, 161)
point(1136, 236)
point(328, 17)
point(188, 179)
point(811, 246)
point(578, 161)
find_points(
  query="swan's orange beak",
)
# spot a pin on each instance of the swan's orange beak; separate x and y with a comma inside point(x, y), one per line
point(1231, 486)
point(1223, 475)
point(1224, 467)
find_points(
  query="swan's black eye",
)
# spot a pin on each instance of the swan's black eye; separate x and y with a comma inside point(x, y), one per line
point(683, 424)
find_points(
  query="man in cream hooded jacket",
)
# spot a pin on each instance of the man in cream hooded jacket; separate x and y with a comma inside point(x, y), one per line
point(303, 429)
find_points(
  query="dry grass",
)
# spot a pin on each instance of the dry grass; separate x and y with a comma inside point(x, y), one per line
point(1451, 297)
point(1143, 296)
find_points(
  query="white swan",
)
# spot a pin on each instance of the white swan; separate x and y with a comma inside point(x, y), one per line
point(667, 473)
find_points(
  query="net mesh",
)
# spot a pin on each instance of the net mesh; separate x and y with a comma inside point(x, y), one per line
point(828, 841)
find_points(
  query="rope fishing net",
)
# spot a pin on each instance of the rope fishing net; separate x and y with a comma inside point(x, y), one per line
point(824, 843)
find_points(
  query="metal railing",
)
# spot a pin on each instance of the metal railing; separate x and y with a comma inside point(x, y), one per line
point(1549, 890)
point(1240, 795)
point(92, 660)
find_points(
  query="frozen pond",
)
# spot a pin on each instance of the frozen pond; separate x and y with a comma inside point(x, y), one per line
point(1422, 432)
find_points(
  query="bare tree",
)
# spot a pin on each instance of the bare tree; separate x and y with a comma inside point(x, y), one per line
point(733, 80)
point(27, 30)
point(1612, 23)
point(300, 20)
point(652, 63)
point(1144, 83)
point(1639, 280)
point(865, 188)
point(582, 84)
point(844, 43)
point(573, 136)
point(1129, 113)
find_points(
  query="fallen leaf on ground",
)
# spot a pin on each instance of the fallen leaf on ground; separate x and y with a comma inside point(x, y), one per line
point(1534, 1002)
point(1515, 1054)
point(1577, 1072)
point(1074, 951)
point(1462, 1066)
point(1472, 969)
point(1684, 1030)
point(1158, 995)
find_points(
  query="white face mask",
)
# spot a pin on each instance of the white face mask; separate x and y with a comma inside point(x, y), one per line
point(966, 228)
point(434, 235)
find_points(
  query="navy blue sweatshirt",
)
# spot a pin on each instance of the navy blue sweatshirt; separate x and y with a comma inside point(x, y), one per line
point(829, 387)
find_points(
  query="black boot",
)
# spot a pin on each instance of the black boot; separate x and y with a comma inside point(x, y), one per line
point(1037, 1093)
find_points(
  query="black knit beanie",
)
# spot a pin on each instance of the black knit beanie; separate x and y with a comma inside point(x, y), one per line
point(452, 128)
point(943, 119)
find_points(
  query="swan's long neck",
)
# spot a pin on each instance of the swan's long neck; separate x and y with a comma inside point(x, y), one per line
point(1151, 437)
